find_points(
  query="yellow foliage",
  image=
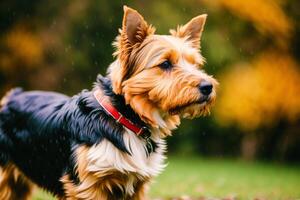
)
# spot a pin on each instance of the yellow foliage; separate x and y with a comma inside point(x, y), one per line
point(259, 95)
point(22, 48)
point(266, 15)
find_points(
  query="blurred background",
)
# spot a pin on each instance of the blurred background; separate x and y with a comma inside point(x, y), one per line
point(251, 46)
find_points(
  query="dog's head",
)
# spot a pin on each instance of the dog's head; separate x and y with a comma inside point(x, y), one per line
point(161, 76)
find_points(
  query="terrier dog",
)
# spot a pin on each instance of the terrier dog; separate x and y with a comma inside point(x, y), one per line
point(107, 143)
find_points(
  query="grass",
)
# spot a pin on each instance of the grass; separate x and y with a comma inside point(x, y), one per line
point(220, 178)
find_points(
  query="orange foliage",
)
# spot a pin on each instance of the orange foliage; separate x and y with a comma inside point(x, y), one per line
point(258, 95)
point(267, 16)
point(22, 48)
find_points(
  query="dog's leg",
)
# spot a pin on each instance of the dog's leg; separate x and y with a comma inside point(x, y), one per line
point(86, 190)
point(13, 184)
point(140, 192)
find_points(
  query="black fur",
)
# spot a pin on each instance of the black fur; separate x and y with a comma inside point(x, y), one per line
point(40, 130)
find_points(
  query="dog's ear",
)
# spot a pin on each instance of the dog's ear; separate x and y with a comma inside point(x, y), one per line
point(134, 31)
point(134, 28)
point(192, 30)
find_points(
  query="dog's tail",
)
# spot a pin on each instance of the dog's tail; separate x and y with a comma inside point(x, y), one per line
point(8, 95)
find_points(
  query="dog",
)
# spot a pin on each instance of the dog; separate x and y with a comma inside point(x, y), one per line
point(107, 143)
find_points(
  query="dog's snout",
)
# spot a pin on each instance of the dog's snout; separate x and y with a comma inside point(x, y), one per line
point(206, 87)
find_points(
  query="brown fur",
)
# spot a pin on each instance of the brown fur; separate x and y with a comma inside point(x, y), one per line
point(159, 96)
point(155, 95)
point(102, 185)
point(13, 184)
point(193, 30)
point(4, 100)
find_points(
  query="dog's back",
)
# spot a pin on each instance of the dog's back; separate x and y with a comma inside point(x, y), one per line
point(31, 142)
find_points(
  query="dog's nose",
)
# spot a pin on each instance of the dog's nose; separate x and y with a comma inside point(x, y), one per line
point(205, 87)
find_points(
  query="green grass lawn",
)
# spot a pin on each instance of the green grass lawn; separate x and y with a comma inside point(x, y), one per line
point(198, 177)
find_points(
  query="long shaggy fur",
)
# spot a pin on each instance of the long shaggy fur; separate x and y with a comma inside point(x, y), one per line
point(72, 148)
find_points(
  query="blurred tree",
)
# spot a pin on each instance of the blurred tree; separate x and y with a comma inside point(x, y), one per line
point(21, 51)
point(257, 97)
point(250, 44)
point(262, 98)
point(267, 16)
point(260, 94)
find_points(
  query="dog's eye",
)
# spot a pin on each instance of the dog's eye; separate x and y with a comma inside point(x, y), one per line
point(166, 65)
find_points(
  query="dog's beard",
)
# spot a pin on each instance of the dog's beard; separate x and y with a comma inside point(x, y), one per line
point(195, 110)
point(192, 110)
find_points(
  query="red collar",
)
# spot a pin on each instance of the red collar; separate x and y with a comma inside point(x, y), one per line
point(112, 111)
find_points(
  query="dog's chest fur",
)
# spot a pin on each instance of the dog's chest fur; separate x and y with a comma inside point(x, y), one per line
point(105, 156)
point(105, 165)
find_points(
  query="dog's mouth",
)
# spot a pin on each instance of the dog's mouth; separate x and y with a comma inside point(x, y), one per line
point(201, 104)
